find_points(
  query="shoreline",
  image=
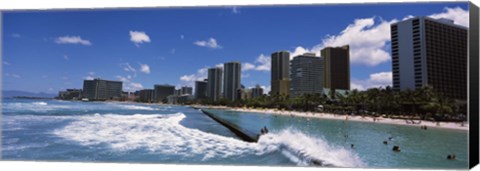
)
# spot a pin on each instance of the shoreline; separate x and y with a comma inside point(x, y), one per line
point(356, 118)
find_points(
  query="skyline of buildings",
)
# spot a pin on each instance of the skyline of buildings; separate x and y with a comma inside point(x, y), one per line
point(425, 51)
point(432, 52)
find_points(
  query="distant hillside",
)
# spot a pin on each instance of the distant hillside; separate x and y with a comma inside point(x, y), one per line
point(13, 93)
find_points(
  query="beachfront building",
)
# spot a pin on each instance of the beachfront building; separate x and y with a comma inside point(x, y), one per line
point(186, 90)
point(214, 85)
point(201, 89)
point(146, 96)
point(280, 70)
point(306, 75)
point(427, 51)
point(177, 92)
point(70, 94)
point(336, 68)
point(257, 91)
point(179, 99)
point(231, 80)
point(98, 89)
point(161, 92)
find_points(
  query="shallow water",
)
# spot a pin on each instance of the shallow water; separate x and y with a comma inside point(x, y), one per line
point(51, 130)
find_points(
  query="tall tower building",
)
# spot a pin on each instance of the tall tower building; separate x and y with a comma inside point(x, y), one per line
point(427, 51)
point(214, 85)
point(306, 75)
point(336, 64)
point(257, 91)
point(186, 90)
point(231, 80)
point(280, 79)
point(99, 89)
point(201, 89)
point(161, 92)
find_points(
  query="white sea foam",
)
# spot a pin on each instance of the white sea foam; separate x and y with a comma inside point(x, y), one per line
point(40, 103)
point(135, 107)
point(303, 149)
point(156, 133)
point(33, 106)
point(42, 106)
point(163, 134)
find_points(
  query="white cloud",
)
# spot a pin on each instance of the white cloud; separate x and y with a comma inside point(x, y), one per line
point(381, 79)
point(6, 63)
point(90, 76)
point(263, 64)
point(210, 43)
point(16, 35)
point(127, 67)
point(12, 75)
point(457, 14)
point(367, 38)
point(173, 51)
point(66, 57)
point(190, 79)
point(220, 65)
point(407, 17)
point(135, 86)
point(72, 40)
point(266, 89)
point(367, 41)
point(145, 68)
point(247, 66)
point(139, 37)
point(182, 36)
point(299, 51)
point(235, 10)
point(129, 85)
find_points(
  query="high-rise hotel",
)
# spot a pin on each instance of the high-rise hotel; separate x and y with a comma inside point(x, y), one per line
point(214, 84)
point(231, 80)
point(280, 80)
point(306, 74)
point(98, 89)
point(427, 51)
point(336, 67)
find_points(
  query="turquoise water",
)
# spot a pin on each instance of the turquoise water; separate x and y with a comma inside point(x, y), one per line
point(51, 130)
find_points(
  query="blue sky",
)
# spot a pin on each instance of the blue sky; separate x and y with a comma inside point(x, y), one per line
point(48, 51)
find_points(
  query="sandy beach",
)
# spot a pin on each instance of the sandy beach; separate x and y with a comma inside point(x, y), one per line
point(379, 120)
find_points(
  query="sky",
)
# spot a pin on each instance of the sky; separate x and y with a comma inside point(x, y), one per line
point(49, 51)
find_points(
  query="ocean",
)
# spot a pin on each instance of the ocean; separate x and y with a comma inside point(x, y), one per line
point(54, 130)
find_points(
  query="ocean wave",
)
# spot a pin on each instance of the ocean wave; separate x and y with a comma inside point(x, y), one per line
point(135, 107)
point(162, 133)
point(305, 150)
point(42, 106)
point(155, 132)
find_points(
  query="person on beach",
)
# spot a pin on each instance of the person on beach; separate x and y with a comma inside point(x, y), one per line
point(266, 130)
